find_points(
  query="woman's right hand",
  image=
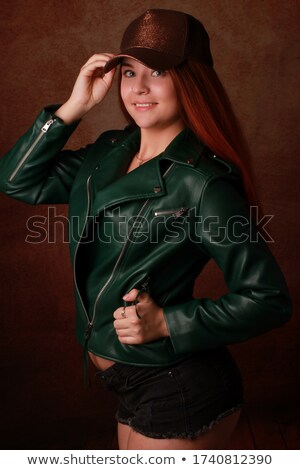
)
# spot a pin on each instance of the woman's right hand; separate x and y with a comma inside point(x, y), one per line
point(90, 88)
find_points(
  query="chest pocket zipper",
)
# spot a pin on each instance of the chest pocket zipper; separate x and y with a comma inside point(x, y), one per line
point(174, 212)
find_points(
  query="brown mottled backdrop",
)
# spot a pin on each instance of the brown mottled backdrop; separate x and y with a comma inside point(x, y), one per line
point(43, 45)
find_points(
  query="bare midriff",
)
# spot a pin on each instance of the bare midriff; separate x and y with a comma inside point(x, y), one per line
point(100, 362)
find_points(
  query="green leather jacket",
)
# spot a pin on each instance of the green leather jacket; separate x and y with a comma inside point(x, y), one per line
point(159, 224)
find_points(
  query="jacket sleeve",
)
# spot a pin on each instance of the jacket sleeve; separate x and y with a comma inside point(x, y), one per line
point(36, 170)
point(258, 298)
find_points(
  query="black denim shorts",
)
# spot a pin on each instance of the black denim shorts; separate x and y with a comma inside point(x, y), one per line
point(182, 400)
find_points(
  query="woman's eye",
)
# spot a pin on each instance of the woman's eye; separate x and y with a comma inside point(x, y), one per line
point(128, 73)
point(158, 73)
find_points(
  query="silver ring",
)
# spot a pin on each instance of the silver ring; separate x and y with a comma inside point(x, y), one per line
point(123, 313)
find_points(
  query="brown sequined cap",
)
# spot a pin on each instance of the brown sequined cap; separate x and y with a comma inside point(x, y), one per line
point(162, 39)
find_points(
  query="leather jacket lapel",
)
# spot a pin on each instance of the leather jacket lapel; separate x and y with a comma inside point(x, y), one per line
point(142, 183)
point(112, 185)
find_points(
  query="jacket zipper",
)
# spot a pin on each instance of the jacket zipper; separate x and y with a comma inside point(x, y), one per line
point(43, 131)
point(121, 255)
point(75, 254)
point(175, 212)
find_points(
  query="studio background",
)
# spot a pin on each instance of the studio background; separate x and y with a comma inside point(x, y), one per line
point(43, 45)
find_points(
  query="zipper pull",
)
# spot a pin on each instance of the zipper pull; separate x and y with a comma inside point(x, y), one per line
point(181, 211)
point(145, 286)
point(88, 331)
point(47, 125)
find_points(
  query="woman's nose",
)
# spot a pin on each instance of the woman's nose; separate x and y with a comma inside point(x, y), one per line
point(140, 86)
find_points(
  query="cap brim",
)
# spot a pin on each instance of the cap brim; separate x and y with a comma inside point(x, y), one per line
point(154, 60)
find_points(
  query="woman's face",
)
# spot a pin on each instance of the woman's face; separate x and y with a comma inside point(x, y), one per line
point(149, 96)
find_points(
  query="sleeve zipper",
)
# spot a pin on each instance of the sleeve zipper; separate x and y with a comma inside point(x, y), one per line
point(43, 131)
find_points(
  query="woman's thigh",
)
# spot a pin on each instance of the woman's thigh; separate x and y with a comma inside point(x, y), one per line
point(124, 431)
point(216, 438)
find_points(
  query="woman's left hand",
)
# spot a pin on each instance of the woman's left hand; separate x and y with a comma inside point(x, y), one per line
point(134, 330)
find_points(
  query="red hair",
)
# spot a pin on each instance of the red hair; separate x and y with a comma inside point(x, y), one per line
point(206, 110)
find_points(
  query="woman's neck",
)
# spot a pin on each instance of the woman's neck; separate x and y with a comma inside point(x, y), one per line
point(154, 141)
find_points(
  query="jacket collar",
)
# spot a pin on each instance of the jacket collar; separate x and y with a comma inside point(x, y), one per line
point(185, 148)
point(112, 185)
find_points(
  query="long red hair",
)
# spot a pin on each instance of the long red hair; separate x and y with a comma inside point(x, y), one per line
point(206, 110)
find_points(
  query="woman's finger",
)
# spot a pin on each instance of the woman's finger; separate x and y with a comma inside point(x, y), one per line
point(104, 56)
point(131, 295)
point(121, 325)
point(122, 313)
point(136, 294)
point(93, 65)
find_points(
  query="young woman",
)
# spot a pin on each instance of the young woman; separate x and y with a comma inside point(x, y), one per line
point(150, 205)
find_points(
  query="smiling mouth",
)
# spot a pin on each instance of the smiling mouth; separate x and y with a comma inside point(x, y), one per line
point(144, 105)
